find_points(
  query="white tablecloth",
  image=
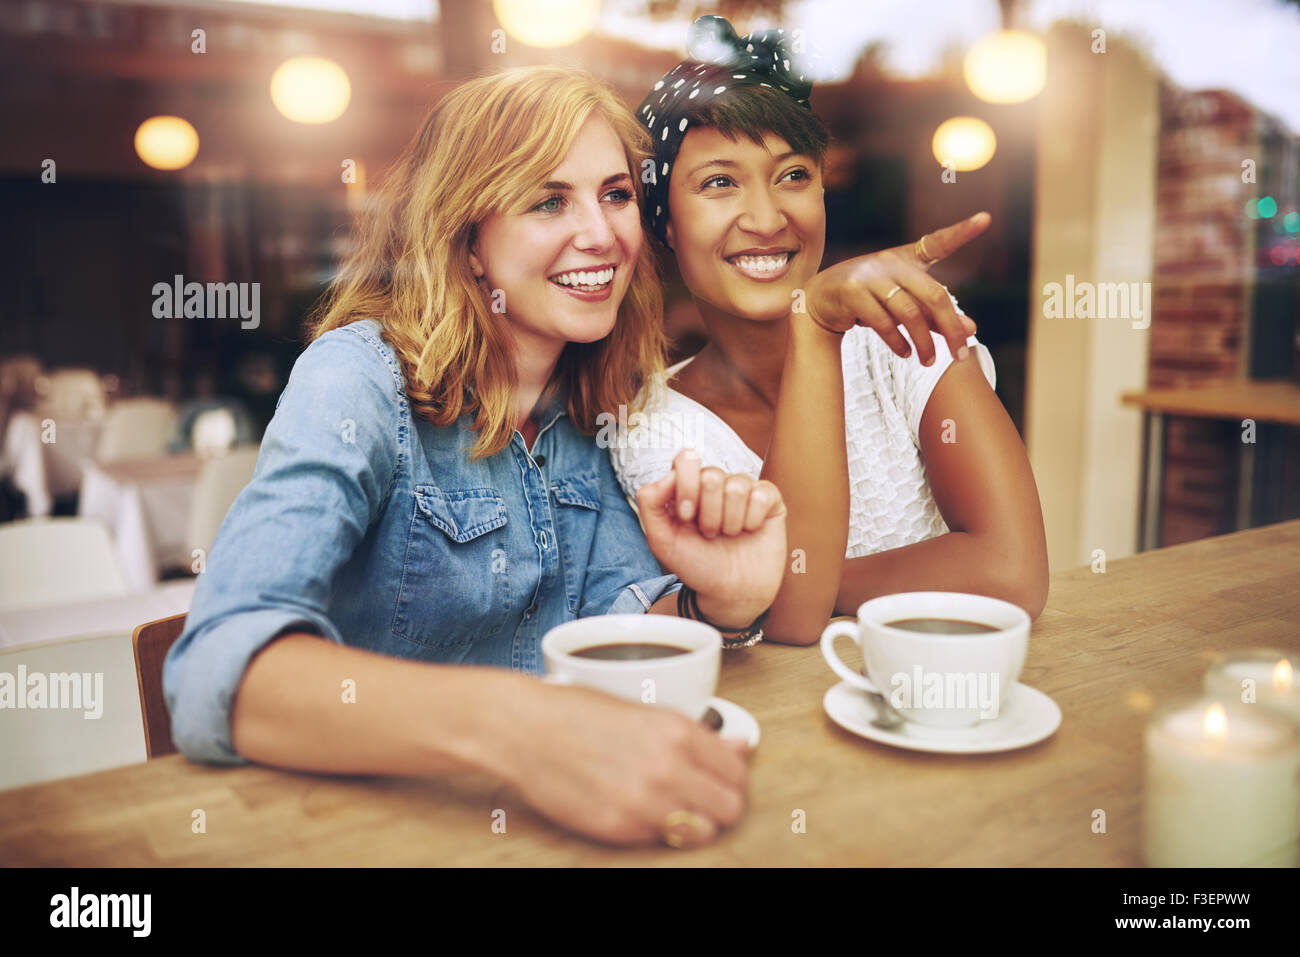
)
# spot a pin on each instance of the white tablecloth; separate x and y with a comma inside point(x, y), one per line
point(41, 470)
point(146, 505)
point(120, 615)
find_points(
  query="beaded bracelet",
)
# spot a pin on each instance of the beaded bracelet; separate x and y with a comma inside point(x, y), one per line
point(688, 606)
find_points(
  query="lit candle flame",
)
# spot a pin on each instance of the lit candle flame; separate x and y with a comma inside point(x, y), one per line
point(1282, 675)
point(1216, 722)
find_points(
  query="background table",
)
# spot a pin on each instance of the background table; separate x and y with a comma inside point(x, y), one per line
point(102, 616)
point(146, 504)
point(1107, 648)
point(41, 470)
point(1270, 401)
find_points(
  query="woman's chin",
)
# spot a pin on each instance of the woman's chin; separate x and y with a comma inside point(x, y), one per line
point(590, 331)
point(759, 311)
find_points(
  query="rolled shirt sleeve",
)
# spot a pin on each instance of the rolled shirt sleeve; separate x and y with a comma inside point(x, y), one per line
point(327, 464)
point(623, 576)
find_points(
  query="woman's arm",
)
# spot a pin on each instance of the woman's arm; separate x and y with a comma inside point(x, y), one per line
point(806, 459)
point(606, 768)
point(985, 490)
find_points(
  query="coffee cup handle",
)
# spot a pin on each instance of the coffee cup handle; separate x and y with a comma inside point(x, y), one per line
point(837, 629)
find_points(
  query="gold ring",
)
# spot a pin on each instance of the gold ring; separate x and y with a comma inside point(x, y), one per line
point(891, 293)
point(923, 254)
point(685, 829)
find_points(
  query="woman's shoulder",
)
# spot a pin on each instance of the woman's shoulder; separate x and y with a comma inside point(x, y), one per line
point(643, 443)
point(356, 352)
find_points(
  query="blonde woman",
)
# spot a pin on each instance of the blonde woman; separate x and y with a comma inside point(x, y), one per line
point(429, 492)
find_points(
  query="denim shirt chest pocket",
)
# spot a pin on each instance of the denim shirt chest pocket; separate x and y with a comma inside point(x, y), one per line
point(455, 584)
point(577, 501)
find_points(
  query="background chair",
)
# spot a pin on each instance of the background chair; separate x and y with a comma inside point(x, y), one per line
point(71, 394)
point(220, 482)
point(151, 642)
point(136, 428)
point(201, 425)
point(52, 560)
point(42, 744)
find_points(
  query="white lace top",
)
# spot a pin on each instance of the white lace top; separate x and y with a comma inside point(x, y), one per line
point(890, 503)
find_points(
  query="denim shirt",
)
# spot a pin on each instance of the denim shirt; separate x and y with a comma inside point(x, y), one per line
point(370, 527)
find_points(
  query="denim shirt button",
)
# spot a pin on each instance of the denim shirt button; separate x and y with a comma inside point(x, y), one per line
point(539, 459)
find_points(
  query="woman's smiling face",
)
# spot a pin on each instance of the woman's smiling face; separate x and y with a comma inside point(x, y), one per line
point(562, 267)
point(747, 222)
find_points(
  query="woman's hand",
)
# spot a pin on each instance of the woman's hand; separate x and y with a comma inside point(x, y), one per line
point(724, 535)
point(893, 286)
point(613, 770)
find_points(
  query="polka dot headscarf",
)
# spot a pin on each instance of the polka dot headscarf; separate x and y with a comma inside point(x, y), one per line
point(718, 60)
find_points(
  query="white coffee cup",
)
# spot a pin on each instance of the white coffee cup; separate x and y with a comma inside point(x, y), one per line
point(940, 680)
point(683, 682)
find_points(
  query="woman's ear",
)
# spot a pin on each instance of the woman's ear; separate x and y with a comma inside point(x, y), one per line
point(668, 231)
point(475, 263)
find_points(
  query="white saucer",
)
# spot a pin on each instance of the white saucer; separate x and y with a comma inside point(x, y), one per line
point(1026, 718)
point(736, 721)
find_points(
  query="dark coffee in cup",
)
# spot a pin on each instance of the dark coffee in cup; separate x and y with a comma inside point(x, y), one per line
point(942, 626)
point(629, 651)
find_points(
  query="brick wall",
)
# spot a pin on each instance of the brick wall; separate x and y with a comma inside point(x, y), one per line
point(1203, 275)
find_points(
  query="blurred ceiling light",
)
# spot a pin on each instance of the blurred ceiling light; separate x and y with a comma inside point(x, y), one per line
point(1009, 66)
point(964, 142)
point(309, 89)
point(166, 142)
point(547, 23)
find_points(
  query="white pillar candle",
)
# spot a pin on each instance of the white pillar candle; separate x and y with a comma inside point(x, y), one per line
point(1262, 676)
point(1222, 787)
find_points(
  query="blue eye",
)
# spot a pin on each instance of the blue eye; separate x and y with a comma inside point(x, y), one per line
point(545, 205)
point(620, 195)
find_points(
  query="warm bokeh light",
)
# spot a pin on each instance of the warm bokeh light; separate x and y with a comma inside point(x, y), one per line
point(1282, 675)
point(166, 142)
point(1216, 722)
point(547, 23)
point(1009, 66)
point(964, 142)
point(309, 89)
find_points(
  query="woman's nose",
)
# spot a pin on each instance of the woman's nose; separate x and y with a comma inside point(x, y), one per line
point(762, 214)
point(595, 231)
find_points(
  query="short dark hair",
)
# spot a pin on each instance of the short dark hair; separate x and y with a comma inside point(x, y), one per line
point(755, 110)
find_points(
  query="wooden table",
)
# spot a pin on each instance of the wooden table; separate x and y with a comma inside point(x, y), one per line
point(1271, 401)
point(1107, 648)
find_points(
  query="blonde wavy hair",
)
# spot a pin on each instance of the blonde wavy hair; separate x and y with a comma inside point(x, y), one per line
point(485, 148)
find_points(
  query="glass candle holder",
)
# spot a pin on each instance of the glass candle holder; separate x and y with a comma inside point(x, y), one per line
point(1222, 786)
point(1264, 676)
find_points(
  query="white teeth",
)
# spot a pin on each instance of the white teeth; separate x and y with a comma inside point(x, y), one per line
point(585, 277)
point(762, 263)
